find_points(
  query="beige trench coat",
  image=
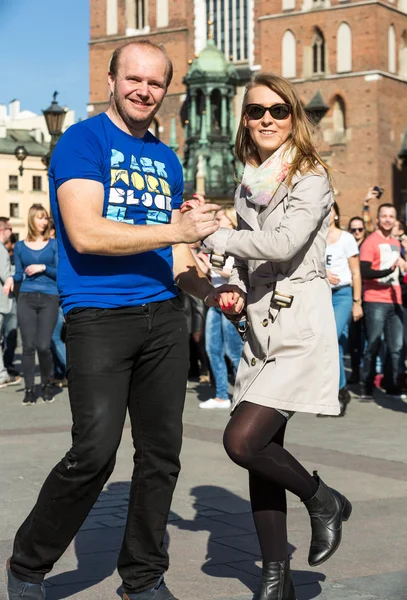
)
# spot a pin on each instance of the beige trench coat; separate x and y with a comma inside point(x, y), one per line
point(290, 357)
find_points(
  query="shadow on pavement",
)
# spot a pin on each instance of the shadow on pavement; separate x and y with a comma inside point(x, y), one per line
point(97, 549)
point(307, 582)
point(380, 398)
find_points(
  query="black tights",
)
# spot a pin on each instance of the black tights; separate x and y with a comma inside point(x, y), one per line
point(254, 439)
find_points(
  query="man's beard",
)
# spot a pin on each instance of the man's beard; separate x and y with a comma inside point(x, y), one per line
point(131, 121)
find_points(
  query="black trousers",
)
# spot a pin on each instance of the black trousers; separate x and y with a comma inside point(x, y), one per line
point(132, 358)
point(37, 315)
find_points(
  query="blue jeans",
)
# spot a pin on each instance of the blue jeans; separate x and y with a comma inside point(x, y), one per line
point(342, 303)
point(221, 338)
point(10, 338)
point(387, 318)
point(58, 348)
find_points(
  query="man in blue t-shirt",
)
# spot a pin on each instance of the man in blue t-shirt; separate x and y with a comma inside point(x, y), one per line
point(115, 192)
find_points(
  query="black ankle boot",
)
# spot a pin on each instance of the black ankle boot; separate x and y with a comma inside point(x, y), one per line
point(276, 582)
point(327, 509)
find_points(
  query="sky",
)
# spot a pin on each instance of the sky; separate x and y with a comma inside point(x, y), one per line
point(44, 48)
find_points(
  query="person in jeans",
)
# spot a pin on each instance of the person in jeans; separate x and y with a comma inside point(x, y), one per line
point(380, 262)
point(343, 270)
point(6, 303)
point(221, 336)
point(57, 343)
point(37, 309)
point(10, 323)
point(116, 191)
point(356, 337)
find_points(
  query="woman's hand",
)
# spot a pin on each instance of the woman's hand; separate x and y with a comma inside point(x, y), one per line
point(197, 201)
point(357, 311)
point(332, 278)
point(8, 286)
point(33, 269)
point(230, 299)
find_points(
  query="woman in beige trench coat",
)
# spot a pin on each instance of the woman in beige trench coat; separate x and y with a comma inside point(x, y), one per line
point(290, 357)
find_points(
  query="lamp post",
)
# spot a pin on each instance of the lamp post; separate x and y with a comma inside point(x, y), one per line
point(54, 117)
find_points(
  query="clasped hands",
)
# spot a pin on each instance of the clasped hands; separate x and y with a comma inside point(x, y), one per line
point(229, 298)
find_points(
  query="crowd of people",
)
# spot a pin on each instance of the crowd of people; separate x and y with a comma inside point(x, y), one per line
point(369, 297)
point(127, 336)
point(369, 325)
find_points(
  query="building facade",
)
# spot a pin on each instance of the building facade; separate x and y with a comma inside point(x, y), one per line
point(347, 58)
point(19, 191)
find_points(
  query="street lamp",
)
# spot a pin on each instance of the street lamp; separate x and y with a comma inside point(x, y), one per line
point(21, 154)
point(54, 117)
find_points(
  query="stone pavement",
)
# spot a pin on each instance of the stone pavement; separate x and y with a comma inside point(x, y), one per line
point(213, 547)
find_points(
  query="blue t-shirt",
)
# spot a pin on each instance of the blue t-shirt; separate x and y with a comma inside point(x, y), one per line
point(44, 282)
point(143, 184)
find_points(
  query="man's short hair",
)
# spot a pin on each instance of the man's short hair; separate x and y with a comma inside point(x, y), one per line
point(115, 60)
point(4, 220)
point(386, 205)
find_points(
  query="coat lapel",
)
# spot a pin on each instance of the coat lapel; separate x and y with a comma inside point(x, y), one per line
point(245, 209)
point(280, 194)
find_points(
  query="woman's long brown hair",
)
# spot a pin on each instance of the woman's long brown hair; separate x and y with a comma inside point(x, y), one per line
point(306, 157)
point(33, 234)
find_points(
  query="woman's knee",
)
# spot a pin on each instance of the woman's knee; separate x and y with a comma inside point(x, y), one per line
point(237, 447)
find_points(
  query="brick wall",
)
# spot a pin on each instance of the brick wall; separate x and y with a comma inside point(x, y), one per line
point(375, 122)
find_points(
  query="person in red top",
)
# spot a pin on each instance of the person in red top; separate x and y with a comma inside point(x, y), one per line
point(379, 264)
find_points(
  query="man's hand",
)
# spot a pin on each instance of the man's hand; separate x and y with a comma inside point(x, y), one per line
point(8, 286)
point(332, 278)
point(33, 269)
point(197, 223)
point(402, 264)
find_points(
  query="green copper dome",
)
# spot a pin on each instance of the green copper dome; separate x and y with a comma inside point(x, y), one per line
point(211, 60)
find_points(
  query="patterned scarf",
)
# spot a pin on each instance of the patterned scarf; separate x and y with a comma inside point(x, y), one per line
point(261, 183)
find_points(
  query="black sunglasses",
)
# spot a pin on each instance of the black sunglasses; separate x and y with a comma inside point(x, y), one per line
point(277, 111)
point(355, 229)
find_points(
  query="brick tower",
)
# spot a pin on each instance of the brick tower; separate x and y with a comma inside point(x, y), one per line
point(347, 58)
point(352, 56)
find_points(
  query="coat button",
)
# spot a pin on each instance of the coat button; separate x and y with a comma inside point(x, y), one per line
point(253, 362)
point(268, 285)
point(265, 323)
point(252, 287)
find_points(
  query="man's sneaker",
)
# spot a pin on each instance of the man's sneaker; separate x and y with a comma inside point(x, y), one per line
point(47, 394)
point(159, 592)
point(366, 393)
point(29, 398)
point(11, 380)
point(214, 403)
point(396, 392)
point(18, 589)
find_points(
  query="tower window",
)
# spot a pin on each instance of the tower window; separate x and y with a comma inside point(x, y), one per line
point(136, 14)
point(231, 27)
point(140, 14)
point(318, 54)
